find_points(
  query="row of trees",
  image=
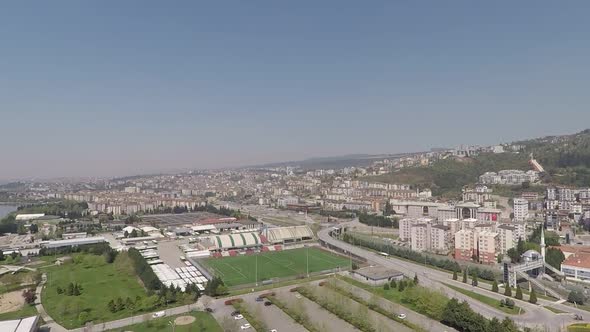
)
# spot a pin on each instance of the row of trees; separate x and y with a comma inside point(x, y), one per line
point(94, 249)
point(441, 263)
point(379, 221)
point(73, 289)
point(215, 287)
point(143, 270)
point(460, 316)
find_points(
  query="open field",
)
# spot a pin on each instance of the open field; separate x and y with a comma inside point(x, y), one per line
point(204, 322)
point(26, 310)
point(100, 283)
point(278, 264)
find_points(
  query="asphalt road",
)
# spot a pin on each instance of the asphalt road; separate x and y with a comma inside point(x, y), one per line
point(534, 316)
point(273, 317)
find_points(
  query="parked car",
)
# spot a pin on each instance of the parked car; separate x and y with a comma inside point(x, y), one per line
point(274, 330)
point(401, 316)
point(245, 326)
point(238, 317)
point(259, 299)
point(235, 313)
point(298, 295)
point(208, 309)
point(159, 314)
point(267, 303)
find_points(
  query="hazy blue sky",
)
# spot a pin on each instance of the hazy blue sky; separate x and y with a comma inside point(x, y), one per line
point(125, 87)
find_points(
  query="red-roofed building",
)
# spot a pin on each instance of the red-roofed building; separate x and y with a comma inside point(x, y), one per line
point(577, 266)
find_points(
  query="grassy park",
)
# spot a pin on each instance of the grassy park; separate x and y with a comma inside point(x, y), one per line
point(204, 322)
point(239, 270)
point(98, 282)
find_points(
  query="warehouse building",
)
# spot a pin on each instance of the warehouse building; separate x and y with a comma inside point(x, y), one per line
point(73, 242)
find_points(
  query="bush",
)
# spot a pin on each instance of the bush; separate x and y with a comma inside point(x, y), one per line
point(533, 297)
point(576, 297)
point(495, 287)
point(518, 295)
point(386, 286)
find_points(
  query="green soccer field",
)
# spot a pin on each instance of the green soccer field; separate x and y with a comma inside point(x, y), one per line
point(240, 270)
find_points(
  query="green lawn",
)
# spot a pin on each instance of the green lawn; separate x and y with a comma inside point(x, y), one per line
point(204, 323)
point(579, 327)
point(487, 300)
point(100, 282)
point(277, 264)
point(26, 311)
point(555, 310)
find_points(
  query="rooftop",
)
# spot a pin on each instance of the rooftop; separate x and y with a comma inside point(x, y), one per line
point(377, 272)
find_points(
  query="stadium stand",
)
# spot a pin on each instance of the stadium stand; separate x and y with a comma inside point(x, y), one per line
point(234, 241)
point(288, 234)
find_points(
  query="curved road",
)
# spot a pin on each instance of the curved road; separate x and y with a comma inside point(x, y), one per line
point(534, 316)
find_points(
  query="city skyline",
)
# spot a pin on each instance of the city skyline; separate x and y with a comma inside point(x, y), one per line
point(122, 89)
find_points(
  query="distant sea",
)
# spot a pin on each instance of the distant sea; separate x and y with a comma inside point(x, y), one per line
point(6, 209)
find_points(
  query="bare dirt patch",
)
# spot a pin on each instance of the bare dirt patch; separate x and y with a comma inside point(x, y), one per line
point(184, 320)
point(12, 301)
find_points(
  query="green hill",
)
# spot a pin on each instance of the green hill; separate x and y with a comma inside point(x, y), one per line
point(565, 158)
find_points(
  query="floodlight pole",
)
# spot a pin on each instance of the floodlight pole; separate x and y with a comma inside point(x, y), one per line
point(307, 260)
point(256, 269)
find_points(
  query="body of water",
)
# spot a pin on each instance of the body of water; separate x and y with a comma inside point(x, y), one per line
point(6, 209)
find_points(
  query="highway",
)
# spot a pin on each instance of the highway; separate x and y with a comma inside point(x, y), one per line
point(534, 316)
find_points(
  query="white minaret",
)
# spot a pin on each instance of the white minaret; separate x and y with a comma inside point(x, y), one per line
point(543, 243)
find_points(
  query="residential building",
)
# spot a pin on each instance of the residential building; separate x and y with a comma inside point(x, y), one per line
point(488, 243)
point(521, 209)
point(465, 245)
point(420, 237)
point(440, 239)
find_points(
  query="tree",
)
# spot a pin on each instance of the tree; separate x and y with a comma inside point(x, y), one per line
point(495, 286)
point(533, 297)
point(415, 279)
point(59, 290)
point(70, 290)
point(112, 306)
point(30, 296)
point(518, 295)
point(129, 304)
point(34, 228)
point(474, 279)
point(119, 304)
point(513, 254)
point(401, 286)
point(454, 275)
point(2, 256)
point(392, 284)
point(77, 291)
point(464, 276)
point(576, 297)
point(386, 286)
point(508, 290)
point(554, 257)
point(83, 317)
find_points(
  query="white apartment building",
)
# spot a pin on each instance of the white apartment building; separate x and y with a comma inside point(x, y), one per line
point(420, 237)
point(465, 244)
point(521, 209)
point(508, 238)
point(441, 239)
point(488, 243)
point(405, 226)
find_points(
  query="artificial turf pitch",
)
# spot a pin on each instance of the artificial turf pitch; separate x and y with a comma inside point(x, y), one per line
point(241, 269)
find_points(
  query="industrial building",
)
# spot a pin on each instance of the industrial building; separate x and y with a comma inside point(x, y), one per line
point(72, 242)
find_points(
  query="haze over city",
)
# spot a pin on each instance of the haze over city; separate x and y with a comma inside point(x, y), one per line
point(115, 88)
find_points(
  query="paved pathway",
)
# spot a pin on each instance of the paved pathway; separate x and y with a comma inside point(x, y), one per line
point(49, 322)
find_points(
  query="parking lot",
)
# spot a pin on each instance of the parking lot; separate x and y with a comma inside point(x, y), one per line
point(273, 317)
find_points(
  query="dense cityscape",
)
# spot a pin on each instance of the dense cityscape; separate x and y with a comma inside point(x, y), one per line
point(297, 166)
point(510, 234)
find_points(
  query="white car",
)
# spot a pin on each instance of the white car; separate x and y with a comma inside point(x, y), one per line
point(274, 330)
point(401, 316)
point(238, 317)
point(298, 295)
point(159, 314)
point(245, 326)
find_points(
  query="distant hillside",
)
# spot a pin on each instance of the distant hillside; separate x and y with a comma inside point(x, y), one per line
point(447, 177)
point(353, 160)
point(565, 158)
